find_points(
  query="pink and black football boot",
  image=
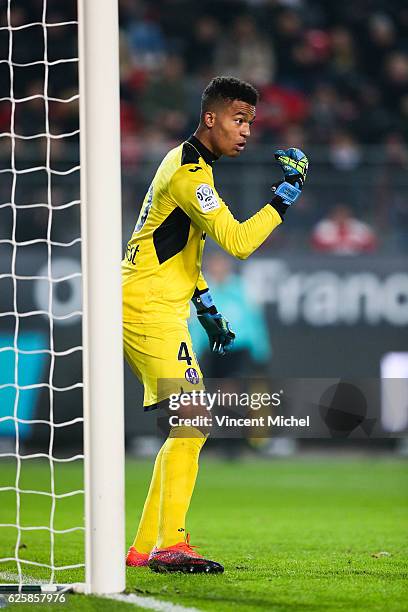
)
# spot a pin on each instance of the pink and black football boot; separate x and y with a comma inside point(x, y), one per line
point(182, 557)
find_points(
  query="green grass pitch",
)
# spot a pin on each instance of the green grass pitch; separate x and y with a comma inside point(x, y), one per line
point(294, 535)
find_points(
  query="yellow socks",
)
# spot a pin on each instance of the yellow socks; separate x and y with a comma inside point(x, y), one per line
point(174, 475)
point(179, 467)
point(149, 523)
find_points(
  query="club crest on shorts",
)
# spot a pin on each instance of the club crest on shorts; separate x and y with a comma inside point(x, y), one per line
point(192, 376)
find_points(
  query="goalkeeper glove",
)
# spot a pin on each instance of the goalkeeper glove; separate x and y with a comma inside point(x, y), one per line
point(220, 335)
point(294, 165)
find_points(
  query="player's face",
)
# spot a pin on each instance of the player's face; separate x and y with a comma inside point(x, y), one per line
point(231, 128)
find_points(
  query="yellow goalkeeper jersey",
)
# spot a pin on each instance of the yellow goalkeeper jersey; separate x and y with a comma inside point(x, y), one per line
point(162, 264)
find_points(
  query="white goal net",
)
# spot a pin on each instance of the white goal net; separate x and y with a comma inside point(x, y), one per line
point(43, 535)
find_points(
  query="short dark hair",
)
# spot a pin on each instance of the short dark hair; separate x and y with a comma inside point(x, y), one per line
point(228, 89)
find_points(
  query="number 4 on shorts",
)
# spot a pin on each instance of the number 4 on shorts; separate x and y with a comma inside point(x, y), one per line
point(183, 354)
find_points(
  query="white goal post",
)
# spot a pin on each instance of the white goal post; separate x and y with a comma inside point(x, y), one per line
point(102, 304)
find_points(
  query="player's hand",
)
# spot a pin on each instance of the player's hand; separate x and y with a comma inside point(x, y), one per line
point(218, 330)
point(294, 165)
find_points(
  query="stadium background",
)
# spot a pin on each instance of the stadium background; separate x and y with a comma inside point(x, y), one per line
point(333, 79)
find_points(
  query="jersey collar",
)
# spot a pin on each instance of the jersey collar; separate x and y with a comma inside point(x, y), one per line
point(205, 153)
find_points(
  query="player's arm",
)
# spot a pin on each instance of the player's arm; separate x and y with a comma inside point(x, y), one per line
point(220, 335)
point(219, 332)
point(195, 194)
point(199, 200)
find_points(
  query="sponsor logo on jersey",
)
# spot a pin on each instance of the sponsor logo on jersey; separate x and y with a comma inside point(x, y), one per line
point(192, 376)
point(206, 198)
point(131, 252)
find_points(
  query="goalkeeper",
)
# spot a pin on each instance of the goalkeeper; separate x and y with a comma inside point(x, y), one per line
point(161, 274)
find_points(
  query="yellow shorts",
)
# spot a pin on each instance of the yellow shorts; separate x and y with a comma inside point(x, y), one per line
point(163, 359)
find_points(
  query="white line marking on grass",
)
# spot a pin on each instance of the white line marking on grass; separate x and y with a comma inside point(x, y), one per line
point(136, 600)
point(151, 603)
point(15, 578)
point(46, 587)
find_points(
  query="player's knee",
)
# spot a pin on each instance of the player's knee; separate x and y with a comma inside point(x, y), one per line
point(191, 415)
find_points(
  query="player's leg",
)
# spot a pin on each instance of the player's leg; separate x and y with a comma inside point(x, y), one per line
point(179, 472)
point(165, 354)
point(176, 368)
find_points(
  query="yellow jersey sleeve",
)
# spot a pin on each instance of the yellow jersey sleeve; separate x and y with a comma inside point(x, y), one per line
point(195, 194)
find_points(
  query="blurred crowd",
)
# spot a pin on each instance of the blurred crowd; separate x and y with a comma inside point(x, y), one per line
point(338, 72)
point(333, 78)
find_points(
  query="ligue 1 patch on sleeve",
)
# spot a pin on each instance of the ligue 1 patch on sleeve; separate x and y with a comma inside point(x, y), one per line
point(191, 375)
point(206, 198)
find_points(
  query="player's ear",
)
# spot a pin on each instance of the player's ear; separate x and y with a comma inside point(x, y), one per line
point(209, 119)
